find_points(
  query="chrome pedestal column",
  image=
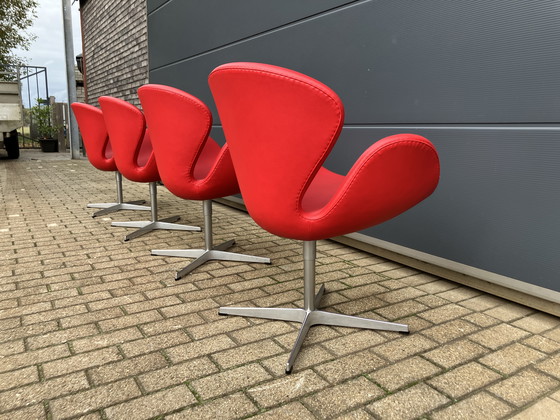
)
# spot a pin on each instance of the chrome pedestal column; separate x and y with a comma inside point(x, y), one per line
point(119, 205)
point(209, 252)
point(309, 315)
point(148, 226)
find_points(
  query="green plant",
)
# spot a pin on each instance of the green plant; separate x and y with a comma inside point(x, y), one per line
point(41, 117)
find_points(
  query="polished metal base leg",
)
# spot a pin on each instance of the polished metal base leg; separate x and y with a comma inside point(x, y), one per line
point(203, 255)
point(154, 224)
point(209, 252)
point(109, 205)
point(119, 205)
point(113, 207)
point(309, 315)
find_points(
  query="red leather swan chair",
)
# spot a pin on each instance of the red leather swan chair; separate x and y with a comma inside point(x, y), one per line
point(135, 159)
point(280, 126)
point(192, 165)
point(96, 141)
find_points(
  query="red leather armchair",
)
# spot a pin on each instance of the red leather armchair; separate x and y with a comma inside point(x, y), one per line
point(280, 126)
point(192, 165)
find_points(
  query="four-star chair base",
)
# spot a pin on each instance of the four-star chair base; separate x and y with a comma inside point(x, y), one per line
point(154, 224)
point(119, 205)
point(310, 315)
point(209, 252)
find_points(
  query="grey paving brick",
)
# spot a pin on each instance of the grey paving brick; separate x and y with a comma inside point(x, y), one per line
point(498, 336)
point(551, 366)
point(129, 320)
point(404, 373)
point(110, 372)
point(156, 342)
point(287, 388)
point(177, 374)
point(354, 341)
point(33, 412)
point(35, 393)
point(449, 331)
point(404, 346)
point(54, 314)
point(18, 378)
point(464, 379)
point(523, 387)
point(333, 401)
point(200, 348)
point(90, 317)
point(289, 411)
point(537, 323)
point(352, 365)
point(478, 406)
point(11, 347)
point(230, 380)
point(152, 405)
point(61, 336)
point(115, 301)
point(171, 324)
point(100, 340)
point(512, 358)
point(80, 362)
point(542, 344)
point(456, 353)
point(409, 403)
point(402, 309)
point(231, 407)
point(94, 399)
point(246, 353)
point(33, 357)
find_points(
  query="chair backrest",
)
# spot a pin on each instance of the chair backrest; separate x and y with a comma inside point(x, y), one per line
point(280, 126)
point(130, 140)
point(94, 134)
point(189, 161)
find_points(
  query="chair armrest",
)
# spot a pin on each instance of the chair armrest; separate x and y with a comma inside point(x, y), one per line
point(391, 176)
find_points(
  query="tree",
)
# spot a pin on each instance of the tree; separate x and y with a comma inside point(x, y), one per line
point(15, 17)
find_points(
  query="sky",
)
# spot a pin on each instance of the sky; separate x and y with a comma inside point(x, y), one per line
point(48, 48)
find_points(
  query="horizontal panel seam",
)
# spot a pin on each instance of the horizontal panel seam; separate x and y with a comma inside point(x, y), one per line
point(263, 33)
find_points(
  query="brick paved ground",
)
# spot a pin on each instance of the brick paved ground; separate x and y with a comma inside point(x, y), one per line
point(94, 328)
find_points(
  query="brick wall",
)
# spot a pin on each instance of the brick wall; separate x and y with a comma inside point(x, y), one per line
point(115, 48)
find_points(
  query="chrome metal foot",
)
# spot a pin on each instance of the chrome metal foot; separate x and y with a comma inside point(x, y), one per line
point(113, 207)
point(146, 226)
point(309, 315)
point(205, 255)
point(210, 252)
point(107, 205)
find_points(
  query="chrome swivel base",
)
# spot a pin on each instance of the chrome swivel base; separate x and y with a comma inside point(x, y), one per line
point(209, 252)
point(154, 224)
point(309, 315)
point(119, 205)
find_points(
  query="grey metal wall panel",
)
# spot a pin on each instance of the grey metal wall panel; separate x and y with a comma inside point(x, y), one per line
point(184, 29)
point(478, 78)
point(430, 61)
